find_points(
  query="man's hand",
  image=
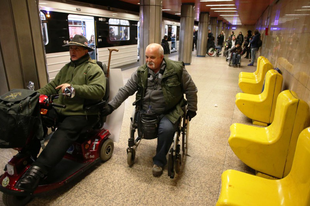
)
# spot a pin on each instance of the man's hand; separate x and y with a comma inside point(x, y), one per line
point(63, 86)
point(190, 114)
point(106, 110)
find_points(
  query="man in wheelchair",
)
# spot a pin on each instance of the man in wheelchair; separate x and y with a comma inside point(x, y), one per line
point(79, 83)
point(160, 85)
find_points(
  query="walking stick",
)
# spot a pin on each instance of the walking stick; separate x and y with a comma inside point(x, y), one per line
point(110, 51)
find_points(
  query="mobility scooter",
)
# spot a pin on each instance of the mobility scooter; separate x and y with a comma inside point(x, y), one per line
point(92, 147)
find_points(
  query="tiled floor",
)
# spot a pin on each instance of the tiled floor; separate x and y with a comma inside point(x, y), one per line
point(114, 183)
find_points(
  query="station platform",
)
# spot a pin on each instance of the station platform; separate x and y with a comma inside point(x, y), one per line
point(114, 183)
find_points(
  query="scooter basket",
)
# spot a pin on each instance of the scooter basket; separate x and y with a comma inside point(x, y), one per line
point(19, 118)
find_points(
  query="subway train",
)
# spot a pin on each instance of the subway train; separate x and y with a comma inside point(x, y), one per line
point(103, 28)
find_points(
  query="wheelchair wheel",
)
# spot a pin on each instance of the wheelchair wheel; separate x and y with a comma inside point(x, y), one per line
point(106, 150)
point(171, 172)
point(131, 154)
point(211, 52)
point(178, 162)
point(185, 132)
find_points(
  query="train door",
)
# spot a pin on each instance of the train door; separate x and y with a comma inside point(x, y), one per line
point(83, 25)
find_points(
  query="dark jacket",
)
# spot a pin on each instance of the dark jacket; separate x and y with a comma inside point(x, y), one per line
point(165, 45)
point(220, 39)
point(254, 41)
point(175, 82)
point(88, 80)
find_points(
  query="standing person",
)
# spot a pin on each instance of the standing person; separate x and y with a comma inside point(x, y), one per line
point(232, 34)
point(160, 85)
point(91, 44)
point(240, 38)
point(248, 48)
point(220, 40)
point(87, 79)
point(254, 47)
point(165, 45)
point(195, 33)
point(210, 42)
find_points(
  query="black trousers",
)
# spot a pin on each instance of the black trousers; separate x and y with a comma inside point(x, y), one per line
point(67, 132)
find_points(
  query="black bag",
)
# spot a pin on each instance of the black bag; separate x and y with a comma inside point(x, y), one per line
point(149, 126)
point(19, 118)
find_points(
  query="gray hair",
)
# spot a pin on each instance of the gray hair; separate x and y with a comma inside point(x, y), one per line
point(160, 48)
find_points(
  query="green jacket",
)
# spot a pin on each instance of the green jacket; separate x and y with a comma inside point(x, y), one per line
point(171, 85)
point(88, 80)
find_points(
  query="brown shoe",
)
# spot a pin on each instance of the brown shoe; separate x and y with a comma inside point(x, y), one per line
point(157, 171)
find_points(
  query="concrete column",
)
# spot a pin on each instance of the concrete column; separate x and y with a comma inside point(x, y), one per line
point(186, 33)
point(224, 29)
point(202, 34)
point(21, 44)
point(213, 22)
point(150, 25)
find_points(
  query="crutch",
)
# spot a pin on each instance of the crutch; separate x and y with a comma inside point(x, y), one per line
point(110, 52)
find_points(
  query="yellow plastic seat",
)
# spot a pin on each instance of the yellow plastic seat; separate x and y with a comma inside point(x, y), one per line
point(252, 75)
point(255, 85)
point(270, 150)
point(241, 189)
point(260, 107)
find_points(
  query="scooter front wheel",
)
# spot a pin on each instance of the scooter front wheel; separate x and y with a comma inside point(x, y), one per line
point(12, 200)
point(106, 150)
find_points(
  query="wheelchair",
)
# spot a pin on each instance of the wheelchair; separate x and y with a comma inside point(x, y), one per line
point(179, 147)
point(235, 59)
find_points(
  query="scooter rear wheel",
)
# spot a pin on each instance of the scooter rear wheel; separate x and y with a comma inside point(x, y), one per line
point(106, 150)
point(12, 200)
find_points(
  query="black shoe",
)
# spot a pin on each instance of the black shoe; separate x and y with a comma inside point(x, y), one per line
point(30, 180)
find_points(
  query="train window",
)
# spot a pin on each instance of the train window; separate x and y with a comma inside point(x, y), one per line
point(85, 26)
point(119, 30)
point(44, 28)
point(82, 25)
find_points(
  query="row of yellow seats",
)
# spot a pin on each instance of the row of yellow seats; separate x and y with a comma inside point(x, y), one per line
point(270, 150)
point(241, 189)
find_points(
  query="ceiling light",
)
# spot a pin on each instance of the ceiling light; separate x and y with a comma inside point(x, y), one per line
point(222, 8)
point(177, 14)
point(297, 14)
point(302, 9)
point(212, 5)
point(226, 11)
point(214, 0)
point(305, 7)
point(166, 9)
point(229, 15)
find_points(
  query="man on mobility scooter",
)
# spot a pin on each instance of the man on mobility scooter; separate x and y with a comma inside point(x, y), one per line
point(80, 83)
point(160, 84)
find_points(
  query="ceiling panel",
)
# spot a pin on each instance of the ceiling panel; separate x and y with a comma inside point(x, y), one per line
point(249, 11)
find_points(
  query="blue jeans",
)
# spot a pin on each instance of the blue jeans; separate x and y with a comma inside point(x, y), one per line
point(166, 130)
point(253, 55)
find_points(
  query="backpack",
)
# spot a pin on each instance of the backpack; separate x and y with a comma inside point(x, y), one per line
point(19, 117)
point(259, 43)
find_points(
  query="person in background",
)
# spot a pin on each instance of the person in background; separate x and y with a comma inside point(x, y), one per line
point(210, 42)
point(247, 44)
point(91, 44)
point(87, 84)
point(240, 38)
point(165, 45)
point(195, 34)
point(254, 47)
point(220, 41)
point(160, 85)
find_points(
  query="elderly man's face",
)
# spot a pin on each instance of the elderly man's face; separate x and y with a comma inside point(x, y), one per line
point(153, 58)
point(77, 52)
